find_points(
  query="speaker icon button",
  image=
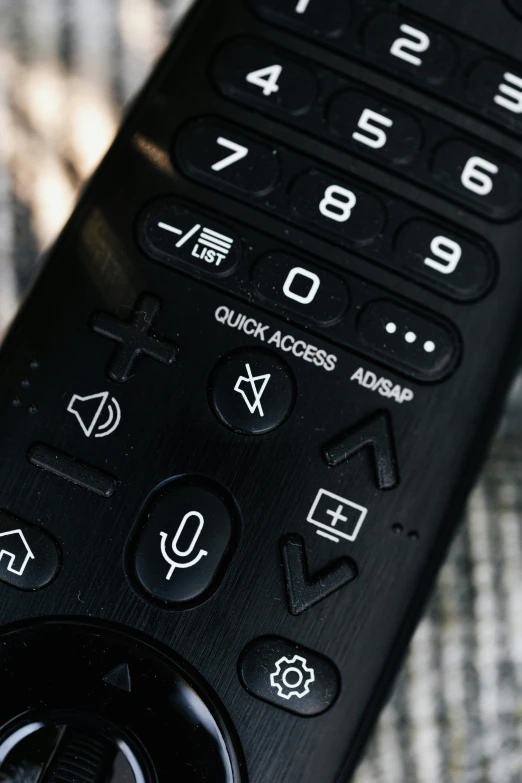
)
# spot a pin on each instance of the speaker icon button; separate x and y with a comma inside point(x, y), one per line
point(98, 415)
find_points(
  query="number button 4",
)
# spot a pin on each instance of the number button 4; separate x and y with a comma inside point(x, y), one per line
point(250, 72)
point(211, 153)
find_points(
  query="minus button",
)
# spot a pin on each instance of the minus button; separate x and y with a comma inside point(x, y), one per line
point(70, 469)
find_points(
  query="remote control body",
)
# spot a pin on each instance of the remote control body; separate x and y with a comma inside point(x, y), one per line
point(246, 399)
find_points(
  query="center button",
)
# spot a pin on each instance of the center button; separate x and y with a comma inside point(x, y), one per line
point(252, 391)
point(183, 541)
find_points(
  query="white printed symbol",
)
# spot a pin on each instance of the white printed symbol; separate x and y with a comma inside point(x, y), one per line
point(219, 244)
point(302, 5)
point(410, 337)
point(258, 384)
point(238, 153)
point(25, 554)
point(91, 409)
point(292, 677)
point(175, 541)
point(298, 271)
point(327, 515)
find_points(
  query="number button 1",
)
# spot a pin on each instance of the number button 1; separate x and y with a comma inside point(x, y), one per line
point(408, 46)
point(363, 123)
point(313, 17)
point(253, 73)
point(217, 155)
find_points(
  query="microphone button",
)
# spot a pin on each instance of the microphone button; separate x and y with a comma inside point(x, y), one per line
point(183, 541)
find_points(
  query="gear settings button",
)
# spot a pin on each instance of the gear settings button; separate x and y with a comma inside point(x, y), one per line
point(289, 676)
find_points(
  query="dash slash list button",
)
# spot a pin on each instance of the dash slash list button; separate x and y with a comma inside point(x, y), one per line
point(252, 391)
point(182, 542)
point(29, 557)
point(289, 676)
point(176, 235)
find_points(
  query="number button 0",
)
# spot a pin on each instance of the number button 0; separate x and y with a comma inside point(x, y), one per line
point(444, 260)
point(409, 46)
point(252, 73)
point(364, 123)
point(292, 284)
point(323, 18)
point(217, 155)
point(490, 185)
point(337, 207)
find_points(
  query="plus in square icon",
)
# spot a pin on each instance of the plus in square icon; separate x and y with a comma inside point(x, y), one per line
point(336, 517)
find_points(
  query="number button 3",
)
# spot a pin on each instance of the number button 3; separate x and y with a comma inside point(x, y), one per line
point(252, 73)
point(216, 155)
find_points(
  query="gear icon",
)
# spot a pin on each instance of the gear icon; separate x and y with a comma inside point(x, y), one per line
point(292, 677)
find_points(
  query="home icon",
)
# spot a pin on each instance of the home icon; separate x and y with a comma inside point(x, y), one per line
point(18, 552)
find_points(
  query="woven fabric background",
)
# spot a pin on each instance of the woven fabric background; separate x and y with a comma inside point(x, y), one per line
point(67, 67)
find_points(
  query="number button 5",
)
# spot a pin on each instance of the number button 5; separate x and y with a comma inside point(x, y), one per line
point(214, 154)
point(372, 128)
point(250, 72)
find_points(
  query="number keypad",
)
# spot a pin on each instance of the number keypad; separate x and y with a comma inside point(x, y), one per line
point(370, 125)
point(337, 207)
point(445, 63)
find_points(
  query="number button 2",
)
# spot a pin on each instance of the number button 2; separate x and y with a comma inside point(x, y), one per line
point(408, 46)
point(213, 154)
point(369, 126)
point(250, 72)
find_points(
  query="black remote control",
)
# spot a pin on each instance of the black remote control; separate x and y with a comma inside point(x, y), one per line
point(246, 399)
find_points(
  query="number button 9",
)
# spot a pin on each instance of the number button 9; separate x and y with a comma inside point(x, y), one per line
point(442, 259)
point(252, 73)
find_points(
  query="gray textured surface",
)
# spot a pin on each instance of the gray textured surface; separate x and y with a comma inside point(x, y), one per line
point(66, 69)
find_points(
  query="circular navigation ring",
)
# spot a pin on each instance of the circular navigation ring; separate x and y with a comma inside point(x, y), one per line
point(105, 682)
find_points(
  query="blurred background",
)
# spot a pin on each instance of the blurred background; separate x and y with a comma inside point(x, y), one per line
point(67, 69)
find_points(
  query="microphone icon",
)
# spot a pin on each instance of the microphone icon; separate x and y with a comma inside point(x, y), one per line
point(175, 544)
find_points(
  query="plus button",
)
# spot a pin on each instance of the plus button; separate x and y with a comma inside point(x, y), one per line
point(135, 338)
point(337, 516)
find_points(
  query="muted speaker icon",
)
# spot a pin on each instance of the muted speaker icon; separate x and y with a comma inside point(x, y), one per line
point(97, 414)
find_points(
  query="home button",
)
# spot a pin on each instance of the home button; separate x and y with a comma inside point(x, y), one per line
point(29, 557)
